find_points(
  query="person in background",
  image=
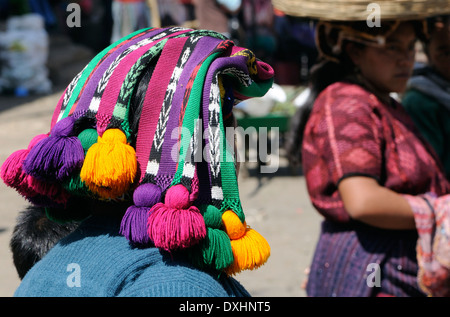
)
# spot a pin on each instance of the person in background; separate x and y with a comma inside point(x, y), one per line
point(258, 23)
point(367, 170)
point(427, 98)
point(129, 16)
point(217, 15)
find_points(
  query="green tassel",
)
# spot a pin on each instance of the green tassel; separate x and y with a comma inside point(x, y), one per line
point(217, 250)
point(213, 252)
point(87, 138)
point(77, 187)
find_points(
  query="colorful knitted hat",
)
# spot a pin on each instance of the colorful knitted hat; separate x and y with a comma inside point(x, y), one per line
point(181, 186)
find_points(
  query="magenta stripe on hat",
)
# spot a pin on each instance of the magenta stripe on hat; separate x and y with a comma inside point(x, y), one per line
point(154, 99)
point(87, 92)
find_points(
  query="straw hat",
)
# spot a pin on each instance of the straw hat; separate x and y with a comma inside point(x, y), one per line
point(360, 10)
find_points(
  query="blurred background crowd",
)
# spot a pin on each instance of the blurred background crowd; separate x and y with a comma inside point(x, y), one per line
point(31, 31)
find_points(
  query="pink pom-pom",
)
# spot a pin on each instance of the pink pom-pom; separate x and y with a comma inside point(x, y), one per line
point(177, 197)
point(52, 191)
point(11, 171)
point(172, 228)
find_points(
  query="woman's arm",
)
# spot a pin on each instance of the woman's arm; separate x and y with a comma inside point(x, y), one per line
point(365, 200)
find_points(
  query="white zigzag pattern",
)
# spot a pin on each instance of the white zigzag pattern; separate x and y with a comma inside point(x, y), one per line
point(167, 103)
point(240, 75)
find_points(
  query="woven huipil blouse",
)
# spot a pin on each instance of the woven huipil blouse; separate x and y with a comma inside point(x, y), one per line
point(351, 132)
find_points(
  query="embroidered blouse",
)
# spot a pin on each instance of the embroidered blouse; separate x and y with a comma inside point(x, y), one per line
point(351, 132)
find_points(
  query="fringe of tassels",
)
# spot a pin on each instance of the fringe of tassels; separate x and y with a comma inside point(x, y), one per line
point(63, 164)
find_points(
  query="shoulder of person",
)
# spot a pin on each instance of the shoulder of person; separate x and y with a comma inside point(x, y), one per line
point(178, 279)
point(347, 97)
point(347, 89)
point(415, 99)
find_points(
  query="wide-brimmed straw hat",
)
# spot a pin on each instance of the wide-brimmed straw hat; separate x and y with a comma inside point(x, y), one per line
point(366, 22)
point(359, 10)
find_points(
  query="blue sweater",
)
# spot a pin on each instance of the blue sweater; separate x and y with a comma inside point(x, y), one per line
point(97, 261)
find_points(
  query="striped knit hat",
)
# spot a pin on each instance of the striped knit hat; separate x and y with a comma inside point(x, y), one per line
point(178, 201)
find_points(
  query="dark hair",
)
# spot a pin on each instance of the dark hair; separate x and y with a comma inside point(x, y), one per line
point(33, 236)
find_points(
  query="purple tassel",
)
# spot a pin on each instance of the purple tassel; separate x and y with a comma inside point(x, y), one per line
point(147, 195)
point(56, 157)
point(134, 222)
point(134, 225)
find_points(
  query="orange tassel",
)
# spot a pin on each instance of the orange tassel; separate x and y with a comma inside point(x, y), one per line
point(250, 249)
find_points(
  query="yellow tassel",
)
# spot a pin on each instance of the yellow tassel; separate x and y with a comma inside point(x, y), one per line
point(250, 249)
point(249, 252)
point(110, 165)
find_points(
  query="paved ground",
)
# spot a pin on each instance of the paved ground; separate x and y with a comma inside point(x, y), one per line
point(276, 205)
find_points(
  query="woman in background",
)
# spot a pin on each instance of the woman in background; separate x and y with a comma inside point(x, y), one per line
point(365, 164)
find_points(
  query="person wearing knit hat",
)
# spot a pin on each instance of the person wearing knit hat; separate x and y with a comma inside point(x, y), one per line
point(158, 200)
point(378, 185)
